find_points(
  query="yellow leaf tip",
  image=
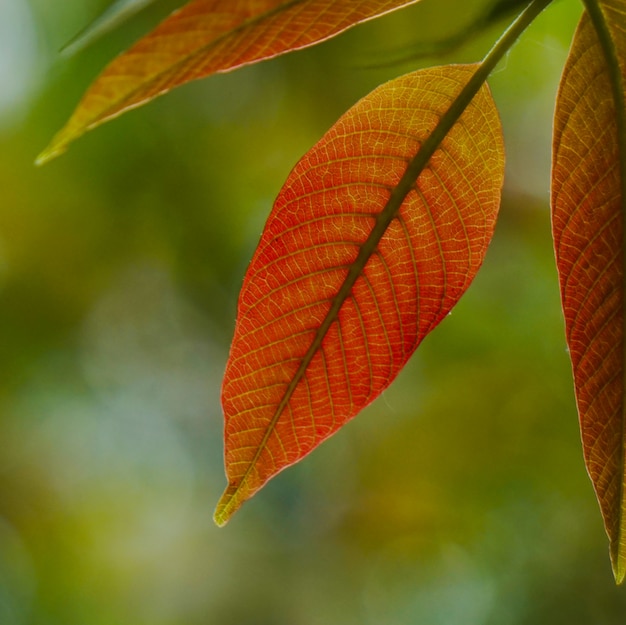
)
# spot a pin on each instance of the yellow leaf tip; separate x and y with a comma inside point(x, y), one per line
point(218, 519)
point(221, 517)
point(51, 152)
point(229, 503)
point(617, 553)
point(619, 571)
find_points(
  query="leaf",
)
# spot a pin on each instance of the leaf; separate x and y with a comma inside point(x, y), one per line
point(358, 262)
point(588, 178)
point(205, 37)
point(115, 14)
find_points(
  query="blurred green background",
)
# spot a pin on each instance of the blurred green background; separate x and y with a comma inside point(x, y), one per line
point(459, 497)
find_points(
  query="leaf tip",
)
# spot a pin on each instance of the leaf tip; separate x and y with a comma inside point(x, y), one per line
point(619, 566)
point(218, 518)
point(56, 148)
point(229, 503)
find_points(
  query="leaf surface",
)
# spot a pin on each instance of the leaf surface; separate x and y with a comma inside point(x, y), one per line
point(588, 181)
point(205, 37)
point(355, 266)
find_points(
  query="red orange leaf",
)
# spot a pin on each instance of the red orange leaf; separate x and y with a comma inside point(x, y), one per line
point(357, 263)
point(588, 210)
point(205, 37)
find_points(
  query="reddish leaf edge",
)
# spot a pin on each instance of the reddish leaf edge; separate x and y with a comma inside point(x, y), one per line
point(617, 546)
point(229, 502)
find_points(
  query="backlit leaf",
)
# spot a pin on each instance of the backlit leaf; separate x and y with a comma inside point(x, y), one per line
point(358, 262)
point(588, 208)
point(205, 37)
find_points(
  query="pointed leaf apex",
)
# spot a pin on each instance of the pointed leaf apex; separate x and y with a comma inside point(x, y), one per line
point(56, 147)
point(229, 503)
point(618, 562)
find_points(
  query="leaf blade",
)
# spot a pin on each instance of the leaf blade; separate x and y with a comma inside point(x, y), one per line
point(588, 181)
point(206, 37)
point(330, 313)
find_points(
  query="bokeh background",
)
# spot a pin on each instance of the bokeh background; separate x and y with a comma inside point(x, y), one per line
point(459, 497)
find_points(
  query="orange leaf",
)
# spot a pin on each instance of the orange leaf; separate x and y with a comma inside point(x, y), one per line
point(357, 263)
point(205, 37)
point(587, 214)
